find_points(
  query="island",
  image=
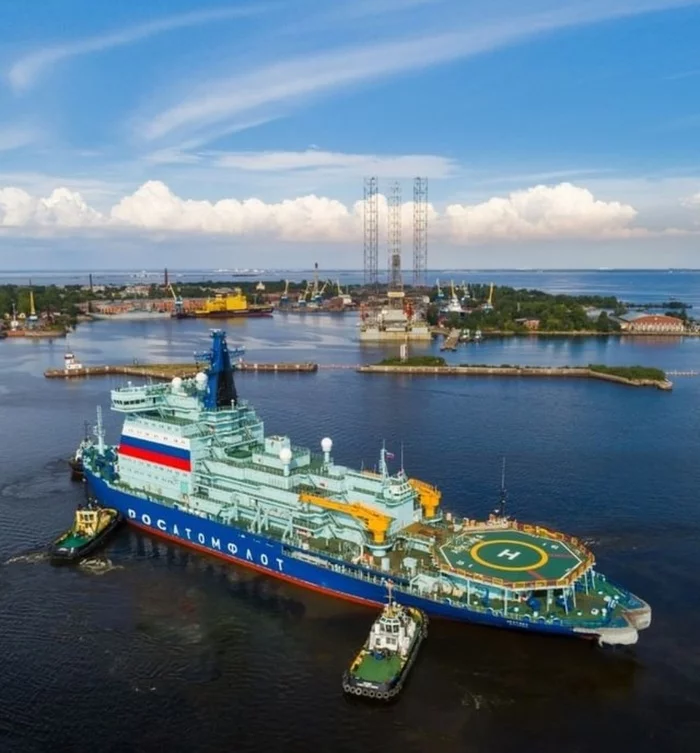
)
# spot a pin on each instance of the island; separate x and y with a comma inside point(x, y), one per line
point(503, 310)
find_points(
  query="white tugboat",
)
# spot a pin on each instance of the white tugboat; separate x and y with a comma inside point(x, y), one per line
point(70, 365)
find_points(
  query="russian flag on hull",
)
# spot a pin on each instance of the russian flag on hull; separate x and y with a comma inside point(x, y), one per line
point(155, 452)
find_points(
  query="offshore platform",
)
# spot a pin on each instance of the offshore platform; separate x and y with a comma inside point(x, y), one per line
point(396, 317)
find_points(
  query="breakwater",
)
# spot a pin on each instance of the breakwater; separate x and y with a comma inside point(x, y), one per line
point(34, 334)
point(517, 371)
point(171, 370)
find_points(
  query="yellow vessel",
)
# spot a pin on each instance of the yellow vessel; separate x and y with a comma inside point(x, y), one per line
point(229, 305)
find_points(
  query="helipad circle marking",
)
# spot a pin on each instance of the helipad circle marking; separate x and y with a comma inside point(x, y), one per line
point(474, 554)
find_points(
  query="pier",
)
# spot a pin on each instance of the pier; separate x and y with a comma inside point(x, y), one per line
point(451, 340)
point(172, 370)
point(518, 371)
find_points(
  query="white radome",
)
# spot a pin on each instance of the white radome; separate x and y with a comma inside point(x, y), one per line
point(201, 380)
point(285, 455)
point(176, 383)
point(326, 444)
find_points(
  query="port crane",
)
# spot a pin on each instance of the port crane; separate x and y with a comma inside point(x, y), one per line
point(347, 300)
point(177, 300)
point(284, 298)
point(32, 311)
point(488, 306)
point(440, 295)
point(318, 293)
point(303, 295)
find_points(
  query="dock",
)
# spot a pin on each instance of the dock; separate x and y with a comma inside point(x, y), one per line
point(172, 370)
point(451, 340)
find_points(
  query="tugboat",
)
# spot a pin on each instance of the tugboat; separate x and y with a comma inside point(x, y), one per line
point(76, 462)
point(380, 669)
point(90, 529)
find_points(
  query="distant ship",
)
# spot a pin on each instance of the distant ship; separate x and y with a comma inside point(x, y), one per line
point(136, 314)
point(224, 306)
point(193, 465)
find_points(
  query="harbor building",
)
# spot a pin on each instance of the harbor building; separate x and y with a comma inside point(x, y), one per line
point(642, 322)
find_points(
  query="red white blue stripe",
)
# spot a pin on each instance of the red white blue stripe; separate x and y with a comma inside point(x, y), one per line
point(157, 452)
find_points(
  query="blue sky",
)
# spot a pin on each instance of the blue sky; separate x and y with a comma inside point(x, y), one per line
point(553, 132)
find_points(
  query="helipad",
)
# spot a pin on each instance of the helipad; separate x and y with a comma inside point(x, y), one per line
point(514, 556)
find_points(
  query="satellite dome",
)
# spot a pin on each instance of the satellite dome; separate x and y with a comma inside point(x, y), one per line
point(285, 455)
point(326, 444)
point(176, 384)
point(201, 380)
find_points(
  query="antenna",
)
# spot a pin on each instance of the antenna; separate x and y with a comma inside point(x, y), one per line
point(501, 509)
point(389, 588)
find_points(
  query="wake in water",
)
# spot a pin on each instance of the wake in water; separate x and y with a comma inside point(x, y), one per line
point(92, 565)
point(99, 566)
point(29, 557)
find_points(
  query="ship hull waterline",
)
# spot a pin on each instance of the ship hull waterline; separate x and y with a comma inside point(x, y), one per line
point(272, 558)
point(246, 313)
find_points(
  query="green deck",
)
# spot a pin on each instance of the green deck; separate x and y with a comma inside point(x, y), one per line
point(378, 670)
point(512, 556)
point(72, 540)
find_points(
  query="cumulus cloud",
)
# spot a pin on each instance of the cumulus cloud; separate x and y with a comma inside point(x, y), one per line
point(63, 208)
point(560, 211)
point(564, 210)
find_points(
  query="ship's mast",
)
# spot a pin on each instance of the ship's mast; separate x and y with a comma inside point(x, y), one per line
point(383, 470)
point(220, 387)
point(501, 509)
point(100, 432)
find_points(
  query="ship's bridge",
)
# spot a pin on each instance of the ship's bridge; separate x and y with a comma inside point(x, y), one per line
point(132, 399)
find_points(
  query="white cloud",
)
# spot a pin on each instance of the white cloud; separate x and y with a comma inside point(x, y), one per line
point(269, 91)
point(25, 71)
point(63, 209)
point(692, 201)
point(564, 210)
point(540, 212)
point(315, 160)
point(14, 137)
point(309, 218)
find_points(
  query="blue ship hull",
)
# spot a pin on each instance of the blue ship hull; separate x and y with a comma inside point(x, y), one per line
point(278, 560)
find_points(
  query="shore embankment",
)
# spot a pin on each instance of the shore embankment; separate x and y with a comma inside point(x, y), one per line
point(444, 332)
point(570, 372)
